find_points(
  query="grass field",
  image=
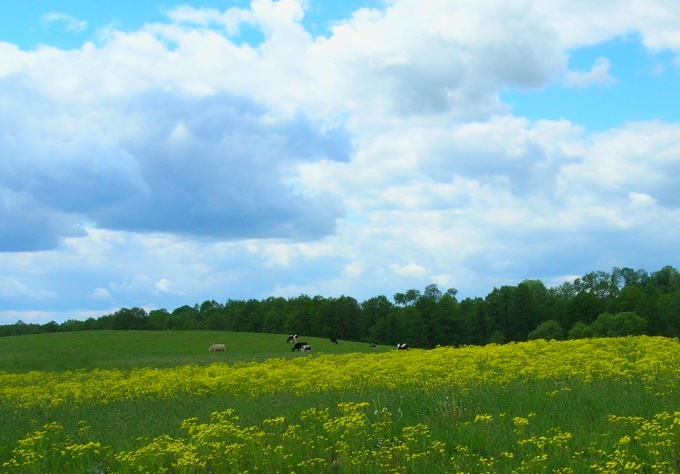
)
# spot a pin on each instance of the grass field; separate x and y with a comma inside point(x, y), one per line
point(133, 349)
point(159, 402)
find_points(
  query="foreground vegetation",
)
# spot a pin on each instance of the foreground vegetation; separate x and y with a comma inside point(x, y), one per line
point(590, 405)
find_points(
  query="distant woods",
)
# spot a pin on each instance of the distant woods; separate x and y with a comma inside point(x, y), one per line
point(599, 304)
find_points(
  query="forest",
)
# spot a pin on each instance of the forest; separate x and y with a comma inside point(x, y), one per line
point(599, 304)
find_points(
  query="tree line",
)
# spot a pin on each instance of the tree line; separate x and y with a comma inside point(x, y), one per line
point(617, 303)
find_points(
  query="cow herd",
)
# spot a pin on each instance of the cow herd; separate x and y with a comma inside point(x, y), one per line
point(302, 346)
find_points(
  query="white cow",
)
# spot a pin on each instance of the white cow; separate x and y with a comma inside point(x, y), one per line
point(217, 348)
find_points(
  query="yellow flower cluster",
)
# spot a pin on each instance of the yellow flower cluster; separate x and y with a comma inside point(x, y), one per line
point(654, 360)
point(363, 436)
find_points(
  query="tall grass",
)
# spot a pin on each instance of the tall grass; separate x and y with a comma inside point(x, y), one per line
point(608, 405)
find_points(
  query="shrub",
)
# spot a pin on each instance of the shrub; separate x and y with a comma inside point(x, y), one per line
point(547, 330)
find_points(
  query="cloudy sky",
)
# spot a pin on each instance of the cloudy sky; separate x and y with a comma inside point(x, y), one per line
point(156, 154)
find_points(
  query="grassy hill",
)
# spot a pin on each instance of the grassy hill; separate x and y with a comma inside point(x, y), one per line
point(132, 349)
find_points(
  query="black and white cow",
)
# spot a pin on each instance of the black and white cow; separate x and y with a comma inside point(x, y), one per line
point(402, 346)
point(292, 337)
point(374, 344)
point(334, 340)
point(301, 346)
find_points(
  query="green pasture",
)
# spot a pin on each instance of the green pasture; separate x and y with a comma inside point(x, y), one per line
point(135, 349)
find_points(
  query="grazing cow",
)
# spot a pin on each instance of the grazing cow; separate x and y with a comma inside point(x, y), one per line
point(306, 348)
point(334, 340)
point(301, 345)
point(292, 337)
point(217, 348)
point(374, 344)
point(402, 346)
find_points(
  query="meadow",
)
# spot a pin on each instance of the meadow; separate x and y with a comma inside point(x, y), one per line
point(118, 402)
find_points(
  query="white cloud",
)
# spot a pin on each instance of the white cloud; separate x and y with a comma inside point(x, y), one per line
point(72, 23)
point(442, 58)
point(176, 163)
point(641, 158)
point(582, 23)
point(598, 75)
point(641, 199)
point(13, 289)
point(100, 293)
point(231, 19)
point(409, 270)
point(167, 286)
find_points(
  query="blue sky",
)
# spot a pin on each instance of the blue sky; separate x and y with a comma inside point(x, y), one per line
point(33, 22)
point(644, 86)
point(156, 154)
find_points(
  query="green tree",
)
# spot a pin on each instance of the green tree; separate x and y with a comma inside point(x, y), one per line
point(374, 313)
point(666, 280)
point(580, 330)
point(211, 316)
point(275, 315)
point(350, 317)
point(252, 316)
point(629, 298)
point(547, 330)
point(600, 283)
point(477, 324)
point(620, 324)
point(411, 327)
point(406, 299)
point(129, 319)
point(183, 318)
point(448, 318)
point(584, 307)
point(434, 323)
point(300, 318)
point(510, 309)
point(157, 319)
point(669, 314)
point(632, 277)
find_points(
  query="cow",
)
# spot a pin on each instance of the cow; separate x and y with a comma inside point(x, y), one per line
point(402, 346)
point(374, 344)
point(217, 348)
point(292, 337)
point(334, 340)
point(301, 345)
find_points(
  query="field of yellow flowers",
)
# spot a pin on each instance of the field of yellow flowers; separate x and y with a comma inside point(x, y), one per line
point(597, 405)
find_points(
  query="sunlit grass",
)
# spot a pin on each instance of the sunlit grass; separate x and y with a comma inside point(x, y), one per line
point(603, 405)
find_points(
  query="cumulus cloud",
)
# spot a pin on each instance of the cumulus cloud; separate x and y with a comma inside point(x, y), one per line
point(440, 58)
point(179, 162)
point(639, 158)
point(215, 165)
point(582, 23)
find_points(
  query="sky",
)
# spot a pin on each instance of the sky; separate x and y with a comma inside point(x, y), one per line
point(161, 154)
